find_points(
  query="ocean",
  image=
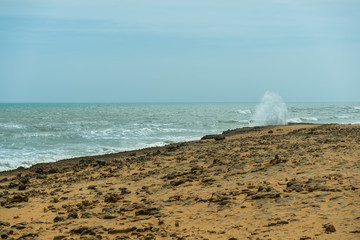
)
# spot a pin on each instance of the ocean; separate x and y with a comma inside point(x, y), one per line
point(36, 133)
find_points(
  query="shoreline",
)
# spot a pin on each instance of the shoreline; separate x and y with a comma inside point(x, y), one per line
point(75, 160)
point(273, 182)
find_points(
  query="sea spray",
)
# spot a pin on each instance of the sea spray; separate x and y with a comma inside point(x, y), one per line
point(271, 111)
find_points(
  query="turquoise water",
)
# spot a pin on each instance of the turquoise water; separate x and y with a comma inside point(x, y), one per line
point(34, 133)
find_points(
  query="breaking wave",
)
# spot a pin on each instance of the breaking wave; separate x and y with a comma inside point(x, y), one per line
point(271, 111)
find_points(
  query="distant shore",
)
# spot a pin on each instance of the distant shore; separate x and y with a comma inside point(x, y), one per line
point(275, 182)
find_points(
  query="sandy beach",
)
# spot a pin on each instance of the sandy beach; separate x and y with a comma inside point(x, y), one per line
point(277, 182)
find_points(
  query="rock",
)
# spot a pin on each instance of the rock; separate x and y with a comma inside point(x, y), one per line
point(219, 137)
point(73, 215)
point(53, 170)
point(6, 224)
point(13, 185)
point(59, 237)
point(329, 228)
point(83, 231)
point(112, 198)
point(124, 230)
point(277, 160)
point(29, 236)
point(92, 187)
point(19, 226)
point(265, 195)
point(177, 183)
point(146, 211)
point(101, 162)
point(281, 222)
point(18, 198)
point(22, 187)
point(4, 234)
point(220, 198)
point(59, 219)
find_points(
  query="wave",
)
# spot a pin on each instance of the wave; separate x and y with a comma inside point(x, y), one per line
point(294, 120)
point(12, 126)
point(357, 108)
point(309, 118)
point(246, 111)
point(271, 111)
point(342, 117)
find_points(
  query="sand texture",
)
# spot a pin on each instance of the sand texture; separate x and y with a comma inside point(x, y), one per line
point(289, 182)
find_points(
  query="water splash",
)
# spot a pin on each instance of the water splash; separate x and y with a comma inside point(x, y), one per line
point(271, 111)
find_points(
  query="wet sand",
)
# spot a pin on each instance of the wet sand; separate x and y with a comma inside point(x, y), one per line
point(280, 182)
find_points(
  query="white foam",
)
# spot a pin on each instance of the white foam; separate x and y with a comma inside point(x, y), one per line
point(12, 126)
point(271, 111)
point(246, 111)
point(309, 119)
point(294, 120)
point(357, 108)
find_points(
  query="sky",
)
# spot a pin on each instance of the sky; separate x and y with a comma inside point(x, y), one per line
point(179, 50)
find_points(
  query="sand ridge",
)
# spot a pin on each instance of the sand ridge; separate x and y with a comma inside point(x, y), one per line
point(278, 182)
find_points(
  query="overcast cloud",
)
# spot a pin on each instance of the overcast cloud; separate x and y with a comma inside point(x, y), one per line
point(179, 51)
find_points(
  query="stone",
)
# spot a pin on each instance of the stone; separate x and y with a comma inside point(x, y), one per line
point(59, 219)
point(6, 224)
point(329, 228)
point(53, 170)
point(29, 236)
point(112, 198)
point(73, 215)
point(123, 230)
point(18, 198)
point(59, 237)
point(147, 211)
point(101, 162)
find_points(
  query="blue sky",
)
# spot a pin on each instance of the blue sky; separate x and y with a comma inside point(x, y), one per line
point(179, 51)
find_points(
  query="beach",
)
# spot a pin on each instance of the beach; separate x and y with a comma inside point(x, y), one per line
point(275, 182)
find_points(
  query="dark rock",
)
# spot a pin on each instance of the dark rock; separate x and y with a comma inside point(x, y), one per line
point(277, 160)
point(304, 238)
point(21, 225)
point(39, 170)
point(329, 228)
point(53, 170)
point(13, 185)
point(73, 215)
point(29, 236)
point(22, 187)
point(147, 211)
point(281, 222)
point(60, 237)
point(18, 198)
point(112, 198)
point(265, 195)
point(219, 137)
point(4, 234)
point(101, 162)
point(177, 183)
point(124, 230)
point(92, 187)
point(220, 198)
point(59, 219)
point(83, 231)
point(6, 224)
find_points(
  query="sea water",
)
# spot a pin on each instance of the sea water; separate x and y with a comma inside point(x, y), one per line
point(35, 133)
